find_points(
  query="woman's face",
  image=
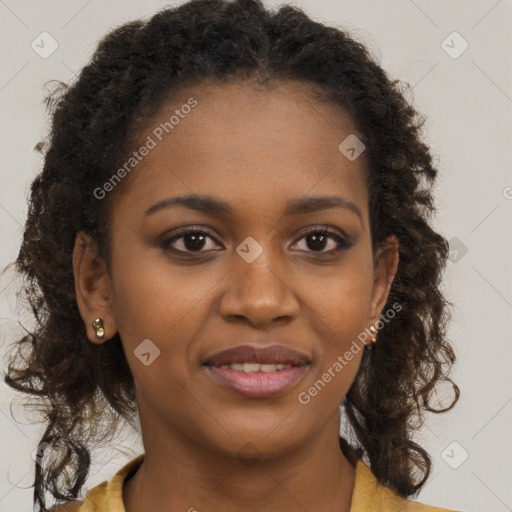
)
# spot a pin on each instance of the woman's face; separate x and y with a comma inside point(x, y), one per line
point(250, 276)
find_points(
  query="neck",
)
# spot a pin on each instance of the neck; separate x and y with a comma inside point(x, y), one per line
point(179, 474)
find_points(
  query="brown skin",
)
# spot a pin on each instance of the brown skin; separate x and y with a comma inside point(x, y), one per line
point(256, 150)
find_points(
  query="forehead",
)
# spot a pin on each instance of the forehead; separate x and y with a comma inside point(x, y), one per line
point(249, 144)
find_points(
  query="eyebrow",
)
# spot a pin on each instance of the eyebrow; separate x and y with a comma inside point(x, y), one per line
point(211, 205)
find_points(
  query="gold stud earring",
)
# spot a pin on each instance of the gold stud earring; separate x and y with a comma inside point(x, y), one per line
point(98, 327)
point(373, 331)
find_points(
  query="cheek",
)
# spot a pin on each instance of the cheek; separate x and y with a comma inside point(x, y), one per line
point(168, 305)
point(161, 303)
point(342, 307)
point(151, 295)
point(342, 299)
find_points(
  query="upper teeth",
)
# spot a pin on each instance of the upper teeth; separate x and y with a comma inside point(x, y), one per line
point(255, 367)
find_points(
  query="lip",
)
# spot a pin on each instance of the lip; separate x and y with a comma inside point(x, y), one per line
point(273, 354)
point(258, 384)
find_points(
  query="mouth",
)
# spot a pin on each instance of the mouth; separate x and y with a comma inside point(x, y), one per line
point(257, 372)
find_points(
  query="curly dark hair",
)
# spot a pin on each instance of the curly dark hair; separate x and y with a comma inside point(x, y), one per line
point(96, 122)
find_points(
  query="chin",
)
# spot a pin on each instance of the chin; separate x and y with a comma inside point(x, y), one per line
point(248, 441)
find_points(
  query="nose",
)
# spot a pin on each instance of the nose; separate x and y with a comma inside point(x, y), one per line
point(258, 293)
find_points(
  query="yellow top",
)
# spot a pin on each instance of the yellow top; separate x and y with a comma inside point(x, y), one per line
point(368, 496)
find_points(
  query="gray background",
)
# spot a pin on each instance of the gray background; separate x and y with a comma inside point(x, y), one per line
point(467, 101)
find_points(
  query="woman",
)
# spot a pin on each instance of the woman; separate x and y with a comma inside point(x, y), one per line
point(230, 238)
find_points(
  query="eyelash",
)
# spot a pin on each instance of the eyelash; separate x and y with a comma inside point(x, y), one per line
point(342, 242)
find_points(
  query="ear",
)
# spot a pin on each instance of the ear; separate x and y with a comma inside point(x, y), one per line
point(92, 287)
point(385, 267)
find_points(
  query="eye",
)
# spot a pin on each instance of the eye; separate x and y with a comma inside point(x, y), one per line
point(189, 240)
point(318, 238)
point(195, 240)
